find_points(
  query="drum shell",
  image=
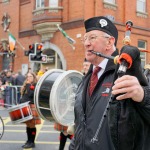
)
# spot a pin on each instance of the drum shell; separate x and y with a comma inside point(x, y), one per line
point(55, 95)
point(60, 127)
point(43, 91)
point(20, 113)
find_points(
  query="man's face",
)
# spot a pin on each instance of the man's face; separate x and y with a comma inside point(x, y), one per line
point(8, 74)
point(98, 41)
point(86, 66)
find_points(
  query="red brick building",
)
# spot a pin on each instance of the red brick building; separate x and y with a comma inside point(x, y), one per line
point(32, 21)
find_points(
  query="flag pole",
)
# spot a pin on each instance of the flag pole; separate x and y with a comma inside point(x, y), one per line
point(20, 44)
point(69, 39)
point(73, 47)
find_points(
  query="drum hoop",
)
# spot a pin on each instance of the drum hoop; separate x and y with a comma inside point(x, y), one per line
point(37, 89)
point(15, 107)
point(23, 120)
point(58, 82)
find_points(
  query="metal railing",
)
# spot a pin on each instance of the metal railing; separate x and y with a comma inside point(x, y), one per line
point(12, 95)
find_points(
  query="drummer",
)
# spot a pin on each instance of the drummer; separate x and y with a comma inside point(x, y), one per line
point(63, 135)
point(68, 131)
point(27, 92)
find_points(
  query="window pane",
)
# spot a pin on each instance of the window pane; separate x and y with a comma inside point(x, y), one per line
point(142, 64)
point(141, 5)
point(53, 3)
point(110, 1)
point(142, 0)
point(39, 3)
point(42, 3)
point(142, 44)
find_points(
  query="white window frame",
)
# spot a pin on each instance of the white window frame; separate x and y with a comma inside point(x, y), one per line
point(110, 1)
point(141, 6)
point(39, 4)
point(53, 3)
point(143, 54)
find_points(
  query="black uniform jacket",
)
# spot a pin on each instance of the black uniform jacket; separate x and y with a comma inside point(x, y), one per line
point(28, 94)
point(125, 127)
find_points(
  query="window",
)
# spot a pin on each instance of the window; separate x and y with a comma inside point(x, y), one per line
point(5, 1)
point(110, 1)
point(141, 5)
point(142, 46)
point(39, 3)
point(53, 3)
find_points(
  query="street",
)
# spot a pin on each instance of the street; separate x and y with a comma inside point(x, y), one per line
point(15, 135)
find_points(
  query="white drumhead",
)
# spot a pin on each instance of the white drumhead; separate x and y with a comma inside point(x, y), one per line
point(62, 96)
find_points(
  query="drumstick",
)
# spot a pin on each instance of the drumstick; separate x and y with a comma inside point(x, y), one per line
point(7, 105)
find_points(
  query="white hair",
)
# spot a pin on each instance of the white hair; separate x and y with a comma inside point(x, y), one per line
point(108, 36)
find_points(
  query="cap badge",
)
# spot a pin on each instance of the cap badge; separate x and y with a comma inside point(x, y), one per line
point(103, 22)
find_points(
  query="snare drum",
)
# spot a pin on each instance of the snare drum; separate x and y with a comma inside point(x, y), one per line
point(20, 113)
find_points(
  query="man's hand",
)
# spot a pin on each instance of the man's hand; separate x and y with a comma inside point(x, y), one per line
point(128, 87)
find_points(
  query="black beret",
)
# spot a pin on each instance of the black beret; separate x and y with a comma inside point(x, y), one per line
point(103, 24)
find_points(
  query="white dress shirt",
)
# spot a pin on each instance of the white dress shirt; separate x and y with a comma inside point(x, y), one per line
point(102, 65)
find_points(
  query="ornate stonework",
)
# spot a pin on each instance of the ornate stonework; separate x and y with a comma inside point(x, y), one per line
point(110, 6)
point(5, 21)
point(46, 30)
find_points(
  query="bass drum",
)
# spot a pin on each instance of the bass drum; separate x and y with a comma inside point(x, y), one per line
point(55, 95)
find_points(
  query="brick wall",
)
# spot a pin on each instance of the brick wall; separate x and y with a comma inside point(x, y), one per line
point(22, 20)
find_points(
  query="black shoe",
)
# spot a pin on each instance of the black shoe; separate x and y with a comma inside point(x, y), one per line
point(25, 144)
point(29, 145)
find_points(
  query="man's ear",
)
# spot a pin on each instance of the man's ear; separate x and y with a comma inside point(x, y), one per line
point(111, 42)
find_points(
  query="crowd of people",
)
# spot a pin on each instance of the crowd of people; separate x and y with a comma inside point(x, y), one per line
point(7, 80)
point(10, 86)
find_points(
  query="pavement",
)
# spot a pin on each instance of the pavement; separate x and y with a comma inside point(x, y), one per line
point(15, 135)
